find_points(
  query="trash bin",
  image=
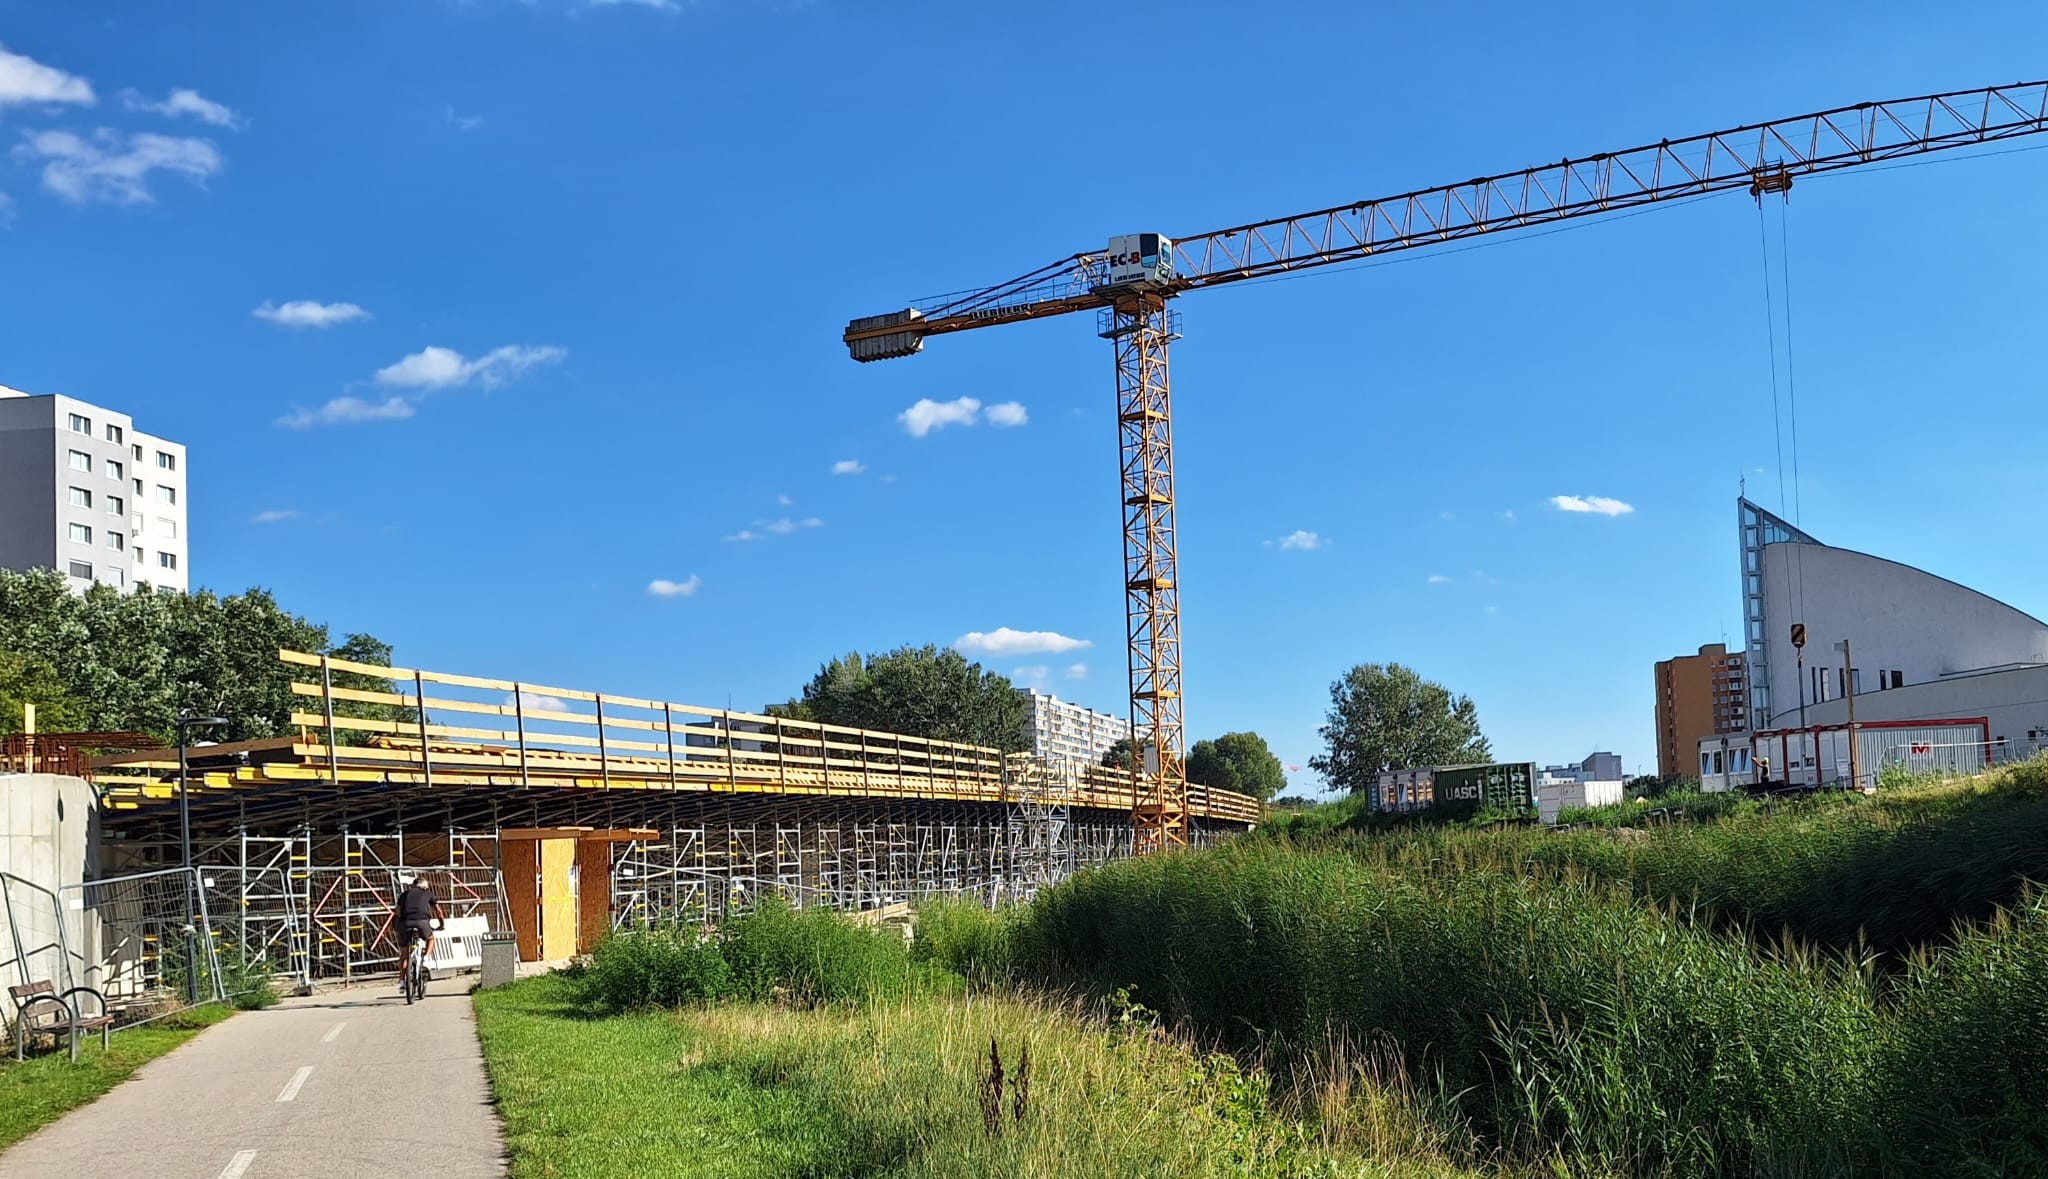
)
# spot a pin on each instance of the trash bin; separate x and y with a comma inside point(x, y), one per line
point(501, 958)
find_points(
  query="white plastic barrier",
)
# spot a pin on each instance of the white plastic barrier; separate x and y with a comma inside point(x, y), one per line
point(459, 944)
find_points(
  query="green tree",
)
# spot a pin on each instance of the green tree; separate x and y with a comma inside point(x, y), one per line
point(1387, 717)
point(26, 679)
point(917, 691)
point(1237, 761)
point(1121, 754)
point(132, 661)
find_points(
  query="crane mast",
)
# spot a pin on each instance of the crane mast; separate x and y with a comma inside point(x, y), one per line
point(1130, 283)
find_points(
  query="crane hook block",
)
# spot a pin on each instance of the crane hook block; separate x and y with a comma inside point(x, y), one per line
point(870, 338)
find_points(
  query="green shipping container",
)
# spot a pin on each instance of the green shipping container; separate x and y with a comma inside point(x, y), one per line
point(1502, 786)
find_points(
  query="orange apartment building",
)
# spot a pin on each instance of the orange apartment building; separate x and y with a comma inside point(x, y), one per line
point(1701, 695)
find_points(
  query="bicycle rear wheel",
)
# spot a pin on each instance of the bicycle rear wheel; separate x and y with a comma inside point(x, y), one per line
point(412, 978)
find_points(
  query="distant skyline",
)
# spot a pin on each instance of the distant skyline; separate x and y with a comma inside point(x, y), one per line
point(508, 331)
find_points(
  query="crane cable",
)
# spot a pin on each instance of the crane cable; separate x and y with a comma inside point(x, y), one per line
point(1790, 417)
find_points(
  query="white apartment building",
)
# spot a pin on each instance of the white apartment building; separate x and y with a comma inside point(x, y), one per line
point(82, 491)
point(1061, 729)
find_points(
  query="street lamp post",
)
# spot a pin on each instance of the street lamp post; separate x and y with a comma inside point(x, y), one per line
point(185, 722)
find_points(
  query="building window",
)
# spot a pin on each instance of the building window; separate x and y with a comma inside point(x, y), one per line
point(136, 450)
point(80, 424)
point(116, 506)
point(81, 498)
point(138, 487)
point(167, 560)
point(81, 533)
point(114, 469)
point(166, 495)
point(115, 577)
point(115, 541)
point(170, 527)
point(113, 433)
point(1898, 679)
point(81, 461)
point(166, 460)
point(81, 569)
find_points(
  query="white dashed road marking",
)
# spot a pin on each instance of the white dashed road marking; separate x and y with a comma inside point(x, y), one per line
point(333, 1033)
point(291, 1088)
point(237, 1165)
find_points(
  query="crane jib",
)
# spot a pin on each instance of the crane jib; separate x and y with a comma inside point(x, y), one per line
point(1131, 282)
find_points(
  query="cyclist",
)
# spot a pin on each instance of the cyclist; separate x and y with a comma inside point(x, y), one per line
point(416, 914)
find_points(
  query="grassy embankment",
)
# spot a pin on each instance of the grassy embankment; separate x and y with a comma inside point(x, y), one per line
point(1838, 986)
point(38, 1091)
point(1696, 999)
point(800, 1046)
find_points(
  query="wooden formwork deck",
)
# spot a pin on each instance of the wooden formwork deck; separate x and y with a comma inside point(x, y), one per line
point(518, 738)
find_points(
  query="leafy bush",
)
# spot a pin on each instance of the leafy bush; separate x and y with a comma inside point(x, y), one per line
point(966, 938)
point(666, 966)
point(813, 956)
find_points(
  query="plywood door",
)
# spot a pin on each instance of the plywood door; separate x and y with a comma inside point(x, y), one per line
point(557, 900)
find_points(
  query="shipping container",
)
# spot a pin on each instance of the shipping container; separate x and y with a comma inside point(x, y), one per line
point(1501, 786)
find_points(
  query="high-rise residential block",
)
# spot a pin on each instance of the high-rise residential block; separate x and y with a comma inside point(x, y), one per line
point(84, 492)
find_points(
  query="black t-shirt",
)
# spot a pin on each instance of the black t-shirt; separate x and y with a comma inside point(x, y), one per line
point(415, 904)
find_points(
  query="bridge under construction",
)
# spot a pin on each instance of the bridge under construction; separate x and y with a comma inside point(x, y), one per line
point(560, 813)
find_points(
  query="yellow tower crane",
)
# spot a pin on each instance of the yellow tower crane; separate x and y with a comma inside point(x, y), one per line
point(1128, 286)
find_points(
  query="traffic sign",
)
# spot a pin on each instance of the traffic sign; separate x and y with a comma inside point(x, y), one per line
point(1799, 634)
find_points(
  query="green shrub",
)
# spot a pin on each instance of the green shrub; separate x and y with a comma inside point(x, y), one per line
point(665, 966)
point(966, 938)
point(811, 956)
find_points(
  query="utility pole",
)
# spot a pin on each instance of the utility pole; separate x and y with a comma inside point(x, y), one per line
point(1849, 699)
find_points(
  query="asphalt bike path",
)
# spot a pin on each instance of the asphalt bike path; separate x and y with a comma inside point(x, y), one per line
point(350, 1082)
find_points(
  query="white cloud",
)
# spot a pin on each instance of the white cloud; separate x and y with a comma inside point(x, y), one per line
point(744, 534)
point(661, 587)
point(1036, 673)
point(114, 167)
point(1301, 541)
point(6, 210)
point(1077, 671)
point(537, 702)
point(274, 516)
point(309, 313)
point(811, 522)
point(1004, 641)
point(784, 501)
point(1439, 579)
point(184, 102)
point(1508, 515)
point(849, 467)
point(344, 411)
point(782, 527)
point(928, 415)
point(434, 367)
point(461, 122)
point(1009, 413)
point(25, 80)
point(1493, 609)
point(1598, 505)
point(657, 5)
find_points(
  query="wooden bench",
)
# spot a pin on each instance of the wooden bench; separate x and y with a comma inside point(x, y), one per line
point(41, 1011)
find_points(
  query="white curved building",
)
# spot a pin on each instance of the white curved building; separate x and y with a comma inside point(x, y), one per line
point(1924, 647)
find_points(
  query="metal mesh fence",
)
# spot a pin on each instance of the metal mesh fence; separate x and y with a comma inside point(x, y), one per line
point(144, 941)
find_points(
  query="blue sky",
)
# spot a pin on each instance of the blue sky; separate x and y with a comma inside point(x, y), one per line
point(599, 255)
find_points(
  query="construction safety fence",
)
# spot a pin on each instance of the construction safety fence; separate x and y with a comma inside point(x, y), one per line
point(145, 941)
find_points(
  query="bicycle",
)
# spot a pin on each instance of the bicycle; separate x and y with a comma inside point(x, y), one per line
point(415, 973)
